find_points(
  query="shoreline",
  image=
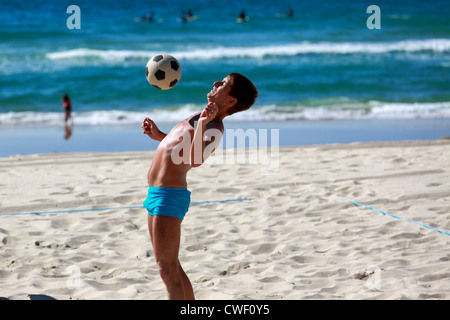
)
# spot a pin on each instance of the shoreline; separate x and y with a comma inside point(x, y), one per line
point(36, 140)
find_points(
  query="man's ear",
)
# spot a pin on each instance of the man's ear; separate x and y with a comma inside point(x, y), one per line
point(231, 101)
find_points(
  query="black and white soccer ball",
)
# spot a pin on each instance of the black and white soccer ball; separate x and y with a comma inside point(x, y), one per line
point(163, 71)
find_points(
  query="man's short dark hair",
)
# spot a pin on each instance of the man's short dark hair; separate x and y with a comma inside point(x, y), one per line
point(243, 90)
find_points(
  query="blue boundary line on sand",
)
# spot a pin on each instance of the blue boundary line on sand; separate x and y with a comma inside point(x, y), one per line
point(397, 217)
point(117, 208)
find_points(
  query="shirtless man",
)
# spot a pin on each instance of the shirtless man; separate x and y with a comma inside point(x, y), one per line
point(168, 198)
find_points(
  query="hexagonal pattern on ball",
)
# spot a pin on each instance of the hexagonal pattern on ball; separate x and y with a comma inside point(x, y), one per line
point(163, 71)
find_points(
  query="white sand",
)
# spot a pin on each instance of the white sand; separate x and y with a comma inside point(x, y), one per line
point(297, 238)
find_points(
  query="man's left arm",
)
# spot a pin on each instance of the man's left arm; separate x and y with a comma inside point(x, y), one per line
point(199, 144)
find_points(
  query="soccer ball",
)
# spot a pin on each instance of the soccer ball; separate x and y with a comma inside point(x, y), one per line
point(163, 71)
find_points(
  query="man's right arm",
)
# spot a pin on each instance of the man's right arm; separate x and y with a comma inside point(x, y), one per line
point(149, 128)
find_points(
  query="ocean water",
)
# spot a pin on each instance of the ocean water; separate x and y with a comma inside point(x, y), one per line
point(323, 63)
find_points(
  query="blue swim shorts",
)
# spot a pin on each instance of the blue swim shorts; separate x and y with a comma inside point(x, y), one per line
point(171, 202)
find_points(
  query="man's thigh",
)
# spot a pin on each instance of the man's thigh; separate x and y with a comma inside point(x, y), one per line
point(165, 235)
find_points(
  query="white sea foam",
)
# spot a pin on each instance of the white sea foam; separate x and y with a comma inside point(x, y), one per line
point(370, 110)
point(259, 52)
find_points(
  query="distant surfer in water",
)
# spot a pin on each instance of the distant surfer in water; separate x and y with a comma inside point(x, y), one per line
point(242, 17)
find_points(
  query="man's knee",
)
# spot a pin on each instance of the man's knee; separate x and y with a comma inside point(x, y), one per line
point(168, 270)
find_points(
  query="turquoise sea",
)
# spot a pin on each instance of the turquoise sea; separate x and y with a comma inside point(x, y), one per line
point(321, 64)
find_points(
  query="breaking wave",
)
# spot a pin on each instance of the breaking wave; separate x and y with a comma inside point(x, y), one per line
point(260, 52)
point(369, 110)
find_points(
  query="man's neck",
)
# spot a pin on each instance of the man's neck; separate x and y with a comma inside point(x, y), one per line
point(221, 114)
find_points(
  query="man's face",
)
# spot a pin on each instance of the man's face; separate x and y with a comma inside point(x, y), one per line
point(220, 92)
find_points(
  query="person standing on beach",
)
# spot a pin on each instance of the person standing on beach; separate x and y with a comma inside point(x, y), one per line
point(67, 106)
point(191, 141)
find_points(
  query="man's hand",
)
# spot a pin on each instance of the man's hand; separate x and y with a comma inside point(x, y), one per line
point(149, 128)
point(208, 113)
point(198, 145)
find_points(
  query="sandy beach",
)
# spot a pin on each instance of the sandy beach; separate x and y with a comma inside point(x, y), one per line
point(294, 233)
